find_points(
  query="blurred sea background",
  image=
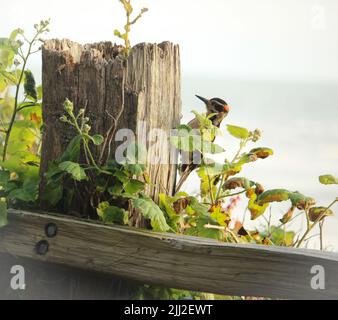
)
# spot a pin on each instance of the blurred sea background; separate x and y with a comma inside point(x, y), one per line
point(275, 62)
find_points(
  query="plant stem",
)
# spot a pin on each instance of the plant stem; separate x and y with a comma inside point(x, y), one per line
point(84, 137)
point(224, 176)
point(315, 223)
point(321, 229)
point(232, 195)
point(210, 187)
point(16, 99)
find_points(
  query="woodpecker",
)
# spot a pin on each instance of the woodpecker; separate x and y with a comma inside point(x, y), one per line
point(220, 109)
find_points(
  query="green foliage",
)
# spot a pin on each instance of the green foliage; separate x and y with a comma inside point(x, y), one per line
point(221, 185)
point(30, 86)
point(130, 22)
point(113, 191)
point(328, 179)
point(3, 212)
point(152, 212)
point(280, 237)
point(319, 213)
point(238, 132)
point(74, 169)
point(20, 121)
point(111, 214)
point(116, 187)
point(297, 199)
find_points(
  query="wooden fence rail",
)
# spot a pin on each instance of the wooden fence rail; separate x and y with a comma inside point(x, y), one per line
point(169, 260)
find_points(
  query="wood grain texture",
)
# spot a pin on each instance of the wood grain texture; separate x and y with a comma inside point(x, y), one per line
point(170, 260)
point(147, 87)
point(49, 281)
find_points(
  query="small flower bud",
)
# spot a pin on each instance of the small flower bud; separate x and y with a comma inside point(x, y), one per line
point(81, 112)
point(86, 128)
point(63, 119)
point(68, 106)
point(257, 135)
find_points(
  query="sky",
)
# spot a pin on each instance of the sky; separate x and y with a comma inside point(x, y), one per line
point(274, 61)
point(262, 39)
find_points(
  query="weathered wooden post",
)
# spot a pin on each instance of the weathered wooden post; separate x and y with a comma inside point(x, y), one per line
point(143, 92)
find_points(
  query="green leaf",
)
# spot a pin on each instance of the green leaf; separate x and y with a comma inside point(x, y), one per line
point(53, 193)
point(300, 201)
point(328, 180)
point(166, 203)
point(74, 169)
point(3, 212)
point(282, 238)
point(151, 211)
point(121, 176)
point(184, 128)
point(8, 50)
point(212, 148)
point(188, 143)
point(317, 214)
point(15, 33)
point(116, 189)
point(97, 139)
point(117, 33)
point(111, 214)
point(134, 186)
point(238, 132)
point(262, 153)
point(54, 173)
point(28, 192)
point(235, 183)
point(135, 169)
point(256, 209)
point(22, 195)
point(30, 85)
point(4, 178)
point(39, 92)
point(204, 121)
point(136, 154)
point(199, 208)
point(200, 229)
point(72, 152)
point(279, 195)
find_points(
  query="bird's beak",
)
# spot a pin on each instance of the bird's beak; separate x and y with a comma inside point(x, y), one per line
point(227, 108)
point(206, 101)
